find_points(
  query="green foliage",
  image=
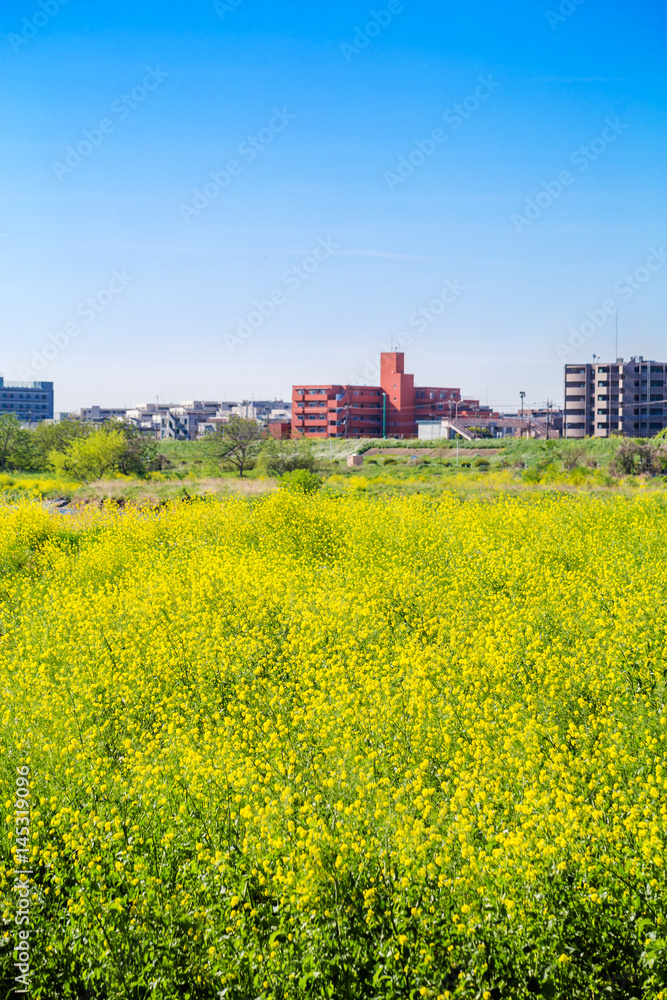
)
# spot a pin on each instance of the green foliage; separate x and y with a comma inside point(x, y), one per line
point(236, 444)
point(10, 431)
point(88, 458)
point(301, 481)
point(141, 452)
point(638, 458)
point(55, 437)
point(280, 455)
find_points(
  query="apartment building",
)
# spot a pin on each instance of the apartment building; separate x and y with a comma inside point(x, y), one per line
point(100, 414)
point(390, 409)
point(178, 421)
point(30, 401)
point(626, 397)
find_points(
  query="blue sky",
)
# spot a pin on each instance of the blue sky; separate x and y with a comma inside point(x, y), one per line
point(516, 152)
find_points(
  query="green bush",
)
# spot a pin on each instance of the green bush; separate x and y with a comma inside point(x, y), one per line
point(301, 481)
point(280, 456)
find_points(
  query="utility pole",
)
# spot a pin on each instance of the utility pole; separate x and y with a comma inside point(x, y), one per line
point(523, 396)
point(549, 405)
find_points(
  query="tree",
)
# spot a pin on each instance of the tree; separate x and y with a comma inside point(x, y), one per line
point(55, 437)
point(21, 455)
point(10, 432)
point(638, 458)
point(140, 454)
point(237, 443)
point(88, 458)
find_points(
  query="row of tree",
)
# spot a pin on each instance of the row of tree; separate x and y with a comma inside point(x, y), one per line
point(85, 452)
point(76, 449)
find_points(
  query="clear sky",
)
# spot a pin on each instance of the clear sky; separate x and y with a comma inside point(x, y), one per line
point(216, 200)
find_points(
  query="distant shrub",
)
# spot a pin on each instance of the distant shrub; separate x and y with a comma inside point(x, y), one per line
point(301, 481)
point(481, 463)
point(574, 457)
point(389, 461)
point(638, 458)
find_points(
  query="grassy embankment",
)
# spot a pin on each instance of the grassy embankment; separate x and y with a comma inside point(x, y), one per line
point(390, 467)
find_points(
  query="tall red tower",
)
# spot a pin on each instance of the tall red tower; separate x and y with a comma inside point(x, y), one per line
point(400, 390)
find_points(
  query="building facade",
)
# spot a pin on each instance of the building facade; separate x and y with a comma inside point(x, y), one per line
point(30, 401)
point(626, 397)
point(390, 409)
point(101, 414)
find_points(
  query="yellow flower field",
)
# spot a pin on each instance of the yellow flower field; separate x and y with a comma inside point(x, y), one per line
point(341, 747)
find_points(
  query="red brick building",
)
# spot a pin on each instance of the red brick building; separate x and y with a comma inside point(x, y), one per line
point(280, 429)
point(390, 409)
